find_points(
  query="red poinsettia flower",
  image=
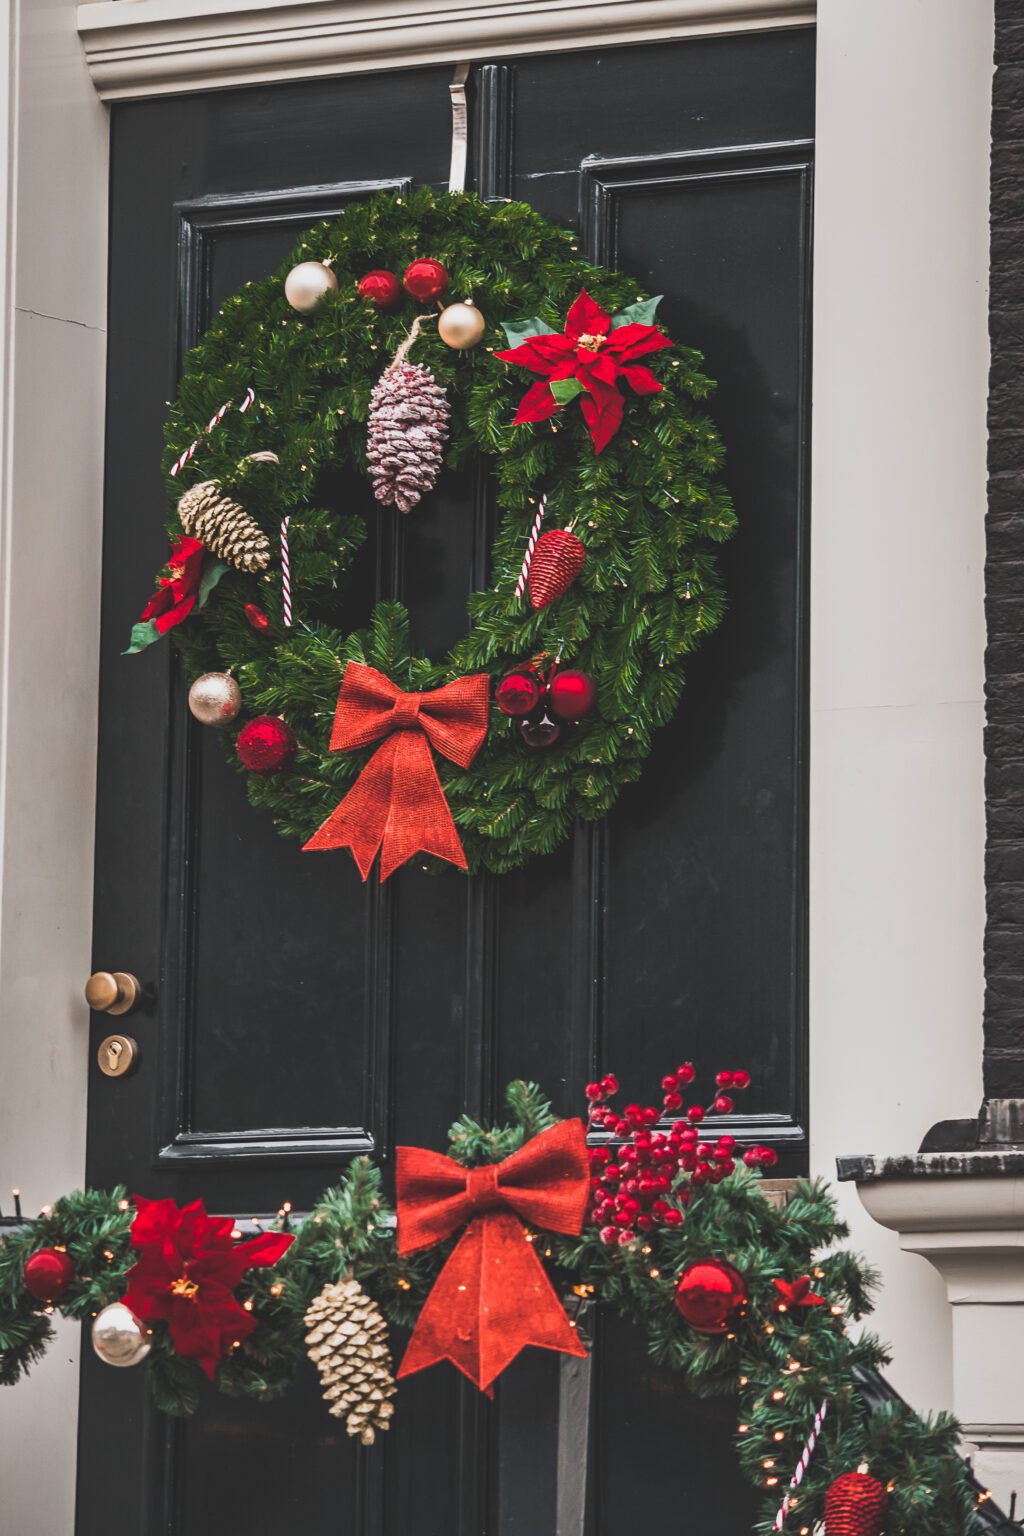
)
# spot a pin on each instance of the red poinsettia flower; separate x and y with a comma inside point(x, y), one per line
point(187, 580)
point(595, 354)
point(186, 1273)
point(797, 1293)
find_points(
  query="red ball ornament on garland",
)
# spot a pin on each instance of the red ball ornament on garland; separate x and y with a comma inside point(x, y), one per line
point(381, 287)
point(572, 694)
point(708, 1293)
point(518, 693)
point(539, 734)
point(48, 1273)
point(425, 279)
point(855, 1505)
point(266, 745)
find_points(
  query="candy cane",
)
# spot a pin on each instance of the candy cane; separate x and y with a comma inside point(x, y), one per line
point(530, 547)
point(214, 421)
point(802, 1465)
point(286, 575)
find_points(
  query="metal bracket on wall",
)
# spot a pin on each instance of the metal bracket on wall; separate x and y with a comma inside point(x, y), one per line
point(460, 128)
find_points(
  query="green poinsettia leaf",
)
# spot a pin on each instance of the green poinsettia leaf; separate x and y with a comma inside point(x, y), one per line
point(519, 331)
point(213, 570)
point(565, 390)
point(142, 635)
point(640, 313)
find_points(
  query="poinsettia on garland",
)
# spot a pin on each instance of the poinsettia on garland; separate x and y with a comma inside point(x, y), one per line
point(188, 1267)
point(587, 361)
point(185, 583)
point(697, 1266)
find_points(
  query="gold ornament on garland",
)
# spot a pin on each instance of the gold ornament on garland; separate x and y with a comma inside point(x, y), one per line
point(224, 527)
point(215, 699)
point(118, 1336)
point(348, 1344)
point(461, 326)
point(306, 285)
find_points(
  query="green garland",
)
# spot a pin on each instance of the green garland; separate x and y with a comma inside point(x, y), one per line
point(779, 1366)
point(648, 510)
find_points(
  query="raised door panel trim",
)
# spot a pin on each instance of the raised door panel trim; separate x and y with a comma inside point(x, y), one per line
point(200, 221)
point(160, 47)
point(603, 185)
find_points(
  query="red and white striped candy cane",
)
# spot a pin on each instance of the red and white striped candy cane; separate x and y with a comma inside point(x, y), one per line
point(214, 421)
point(286, 575)
point(802, 1465)
point(530, 547)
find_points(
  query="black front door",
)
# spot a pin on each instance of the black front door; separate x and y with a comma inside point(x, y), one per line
point(295, 1016)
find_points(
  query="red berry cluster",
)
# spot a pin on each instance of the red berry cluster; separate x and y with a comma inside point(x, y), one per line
point(646, 1181)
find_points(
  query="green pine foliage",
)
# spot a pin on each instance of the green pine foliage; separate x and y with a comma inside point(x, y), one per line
point(649, 510)
point(778, 1367)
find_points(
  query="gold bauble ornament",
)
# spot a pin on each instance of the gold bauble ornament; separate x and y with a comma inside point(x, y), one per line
point(118, 1336)
point(215, 698)
point(306, 285)
point(461, 326)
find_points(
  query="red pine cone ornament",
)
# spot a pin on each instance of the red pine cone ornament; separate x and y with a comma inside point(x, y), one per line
point(266, 745)
point(557, 561)
point(407, 431)
point(855, 1505)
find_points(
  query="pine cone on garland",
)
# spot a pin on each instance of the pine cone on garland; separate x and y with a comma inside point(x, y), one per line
point(408, 428)
point(224, 527)
point(347, 1343)
point(855, 1505)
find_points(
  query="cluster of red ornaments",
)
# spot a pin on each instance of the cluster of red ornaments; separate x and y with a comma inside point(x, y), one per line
point(425, 280)
point(540, 700)
point(647, 1180)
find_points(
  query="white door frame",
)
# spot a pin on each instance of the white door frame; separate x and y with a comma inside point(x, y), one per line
point(897, 625)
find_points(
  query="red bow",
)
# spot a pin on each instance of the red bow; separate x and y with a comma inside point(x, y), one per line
point(492, 1298)
point(397, 804)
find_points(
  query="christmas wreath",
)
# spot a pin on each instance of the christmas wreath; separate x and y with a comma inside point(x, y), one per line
point(332, 373)
point(505, 1243)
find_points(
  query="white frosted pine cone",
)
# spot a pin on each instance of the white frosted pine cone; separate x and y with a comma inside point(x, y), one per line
point(408, 428)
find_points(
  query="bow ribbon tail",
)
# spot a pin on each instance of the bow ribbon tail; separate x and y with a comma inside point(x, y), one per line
point(396, 805)
point(491, 1299)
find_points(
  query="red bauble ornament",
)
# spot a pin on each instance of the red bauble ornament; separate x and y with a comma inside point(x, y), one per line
point(708, 1292)
point(540, 734)
point(257, 618)
point(557, 561)
point(518, 693)
point(425, 279)
point(48, 1273)
point(855, 1505)
point(381, 287)
point(572, 694)
point(266, 745)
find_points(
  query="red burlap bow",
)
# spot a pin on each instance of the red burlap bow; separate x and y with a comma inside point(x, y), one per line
point(492, 1298)
point(397, 803)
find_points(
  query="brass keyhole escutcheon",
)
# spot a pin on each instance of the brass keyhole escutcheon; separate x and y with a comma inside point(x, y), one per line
point(117, 1056)
point(112, 992)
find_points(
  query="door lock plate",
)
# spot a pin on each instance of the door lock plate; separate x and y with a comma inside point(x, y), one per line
point(117, 1056)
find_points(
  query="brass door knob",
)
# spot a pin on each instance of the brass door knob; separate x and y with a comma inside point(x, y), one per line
point(117, 1056)
point(112, 991)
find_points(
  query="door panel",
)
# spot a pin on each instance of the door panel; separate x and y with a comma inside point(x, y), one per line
point(293, 1016)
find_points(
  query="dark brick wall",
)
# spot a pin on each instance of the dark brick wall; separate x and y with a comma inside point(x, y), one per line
point(1004, 575)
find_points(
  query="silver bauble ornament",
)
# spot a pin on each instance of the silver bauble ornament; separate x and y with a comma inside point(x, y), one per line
point(461, 326)
point(118, 1336)
point(306, 285)
point(215, 698)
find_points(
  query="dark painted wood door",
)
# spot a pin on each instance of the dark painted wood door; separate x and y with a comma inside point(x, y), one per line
point(294, 1016)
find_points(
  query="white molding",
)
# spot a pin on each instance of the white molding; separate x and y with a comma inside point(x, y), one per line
point(137, 48)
